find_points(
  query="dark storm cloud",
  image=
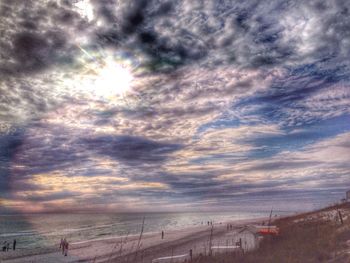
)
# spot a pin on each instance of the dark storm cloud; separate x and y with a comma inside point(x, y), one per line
point(46, 149)
point(33, 51)
point(204, 186)
point(22, 185)
point(134, 23)
point(35, 36)
point(51, 197)
point(130, 149)
point(38, 149)
point(10, 141)
point(135, 16)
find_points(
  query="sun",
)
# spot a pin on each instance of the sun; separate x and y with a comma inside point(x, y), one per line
point(104, 79)
point(111, 79)
point(106, 75)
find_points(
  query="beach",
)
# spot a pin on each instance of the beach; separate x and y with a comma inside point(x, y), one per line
point(142, 247)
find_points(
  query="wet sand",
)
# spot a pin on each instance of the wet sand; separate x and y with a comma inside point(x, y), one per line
point(132, 249)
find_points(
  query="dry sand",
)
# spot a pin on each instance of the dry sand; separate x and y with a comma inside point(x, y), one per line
point(123, 249)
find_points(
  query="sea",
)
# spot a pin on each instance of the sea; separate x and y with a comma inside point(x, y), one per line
point(45, 230)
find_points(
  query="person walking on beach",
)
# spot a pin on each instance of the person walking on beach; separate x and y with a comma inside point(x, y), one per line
point(63, 247)
point(162, 234)
point(14, 244)
point(4, 246)
point(66, 248)
point(61, 243)
point(7, 246)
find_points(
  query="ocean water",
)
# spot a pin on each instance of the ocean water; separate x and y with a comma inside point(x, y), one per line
point(44, 230)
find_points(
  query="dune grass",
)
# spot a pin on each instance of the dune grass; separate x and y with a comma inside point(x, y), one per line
point(306, 238)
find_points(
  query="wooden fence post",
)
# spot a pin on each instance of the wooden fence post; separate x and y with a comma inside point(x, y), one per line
point(340, 217)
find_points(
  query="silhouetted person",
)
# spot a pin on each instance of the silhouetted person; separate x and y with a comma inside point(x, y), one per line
point(14, 244)
point(63, 246)
point(162, 234)
point(4, 246)
point(66, 248)
point(7, 246)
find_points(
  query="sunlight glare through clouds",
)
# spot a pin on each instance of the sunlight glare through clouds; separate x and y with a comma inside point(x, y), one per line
point(104, 78)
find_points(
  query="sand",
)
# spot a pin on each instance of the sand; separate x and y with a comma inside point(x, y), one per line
point(176, 244)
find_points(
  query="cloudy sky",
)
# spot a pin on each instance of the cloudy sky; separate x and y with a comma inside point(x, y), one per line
point(173, 105)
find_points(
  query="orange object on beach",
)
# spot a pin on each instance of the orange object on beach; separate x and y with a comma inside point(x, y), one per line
point(268, 231)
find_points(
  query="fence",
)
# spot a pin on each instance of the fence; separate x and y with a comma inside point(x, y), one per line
point(171, 258)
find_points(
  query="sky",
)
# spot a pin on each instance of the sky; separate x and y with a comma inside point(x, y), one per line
point(183, 105)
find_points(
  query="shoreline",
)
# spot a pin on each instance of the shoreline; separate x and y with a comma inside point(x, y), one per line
point(103, 249)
